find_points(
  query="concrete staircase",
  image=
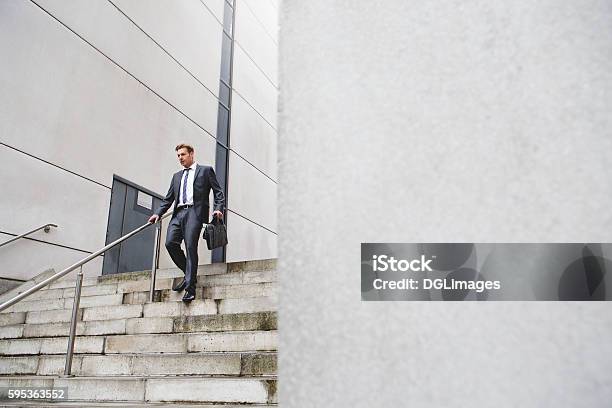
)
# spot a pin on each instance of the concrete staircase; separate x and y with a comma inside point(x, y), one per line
point(220, 349)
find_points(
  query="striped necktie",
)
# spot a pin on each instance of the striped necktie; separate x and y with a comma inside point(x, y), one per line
point(185, 172)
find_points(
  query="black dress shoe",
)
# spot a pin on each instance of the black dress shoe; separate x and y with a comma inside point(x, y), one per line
point(181, 286)
point(188, 297)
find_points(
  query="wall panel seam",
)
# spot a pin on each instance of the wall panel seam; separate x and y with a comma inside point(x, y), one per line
point(48, 243)
point(250, 220)
point(260, 23)
point(256, 65)
point(254, 166)
point(256, 111)
point(126, 71)
point(54, 165)
point(165, 51)
point(211, 13)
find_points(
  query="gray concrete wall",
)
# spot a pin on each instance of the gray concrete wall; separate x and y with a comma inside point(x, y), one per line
point(251, 220)
point(440, 122)
point(92, 89)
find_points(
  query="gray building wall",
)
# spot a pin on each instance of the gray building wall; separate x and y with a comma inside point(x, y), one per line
point(482, 121)
point(92, 89)
point(252, 173)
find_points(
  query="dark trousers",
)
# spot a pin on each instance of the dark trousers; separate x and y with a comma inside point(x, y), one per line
point(186, 226)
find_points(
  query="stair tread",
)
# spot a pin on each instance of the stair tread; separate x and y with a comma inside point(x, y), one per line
point(199, 333)
point(116, 299)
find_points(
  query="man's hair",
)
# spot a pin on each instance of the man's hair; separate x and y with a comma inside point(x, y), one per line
point(184, 145)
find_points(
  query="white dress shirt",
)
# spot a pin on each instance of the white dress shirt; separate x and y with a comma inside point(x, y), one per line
point(190, 178)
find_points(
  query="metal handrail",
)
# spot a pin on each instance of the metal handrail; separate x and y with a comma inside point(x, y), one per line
point(79, 282)
point(46, 227)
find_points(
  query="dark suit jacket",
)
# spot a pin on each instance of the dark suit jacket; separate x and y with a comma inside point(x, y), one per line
point(204, 181)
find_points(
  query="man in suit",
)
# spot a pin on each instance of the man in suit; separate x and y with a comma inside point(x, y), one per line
point(189, 190)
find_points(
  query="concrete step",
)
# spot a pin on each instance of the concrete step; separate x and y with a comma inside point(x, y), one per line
point(44, 316)
point(102, 285)
point(178, 308)
point(165, 319)
point(35, 305)
point(227, 279)
point(12, 318)
point(217, 286)
point(229, 364)
point(26, 285)
point(256, 265)
point(12, 332)
point(207, 307)
point(248, 305)
point(65, 303)
point(101, 288)
point(227, 322)
point(94, 301)
point(169, 273)
point(233, 341)
point(203, 271)
point(86, 314)
point(244, 390)
point(248, 340)
point(146, 343)
point(209, 292)
point(201, 294)
point(110, 312)
point(70, 280)
point(240, 278)
point(173, 306)
point(52, 345)
point(91, 328)
point(93, 290)
point(230, 341)
point(239, 291)
point(107, 307)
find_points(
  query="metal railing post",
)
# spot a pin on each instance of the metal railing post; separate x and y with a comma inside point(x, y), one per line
point(155, 259)
point(73, 322)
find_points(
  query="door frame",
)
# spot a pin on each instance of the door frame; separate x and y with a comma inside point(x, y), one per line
point(137, 187)
point(134, 186)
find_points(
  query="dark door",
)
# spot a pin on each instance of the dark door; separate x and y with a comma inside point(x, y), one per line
point(130, 208)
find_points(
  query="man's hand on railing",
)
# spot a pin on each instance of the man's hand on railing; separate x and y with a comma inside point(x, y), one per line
point(154, 218)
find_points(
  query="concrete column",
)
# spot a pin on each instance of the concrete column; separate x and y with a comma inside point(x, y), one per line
point(481, 121)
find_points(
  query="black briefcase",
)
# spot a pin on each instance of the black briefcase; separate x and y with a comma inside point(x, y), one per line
point(215, 233)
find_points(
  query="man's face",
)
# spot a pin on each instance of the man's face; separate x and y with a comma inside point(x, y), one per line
point(185, 158)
